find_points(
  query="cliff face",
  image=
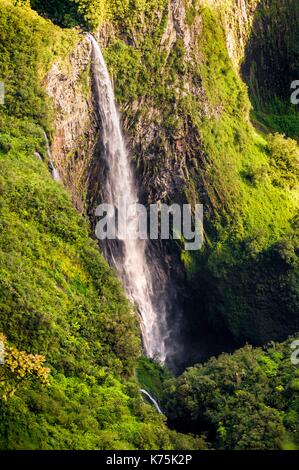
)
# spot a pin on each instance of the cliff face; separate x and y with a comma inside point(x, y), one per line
point(162, 138)
point(162, 157)
point(165, 152)
point(75, 127)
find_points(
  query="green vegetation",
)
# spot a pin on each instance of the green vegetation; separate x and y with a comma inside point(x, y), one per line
point(23, 30)
point(278, 117)
point(248, 400)
point(92, 14)
point(284, 157)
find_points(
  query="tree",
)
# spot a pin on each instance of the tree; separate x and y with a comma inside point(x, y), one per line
point(93, 12)
point(19, 367)
point(284, 158)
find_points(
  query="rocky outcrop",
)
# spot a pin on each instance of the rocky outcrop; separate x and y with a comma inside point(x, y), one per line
point(75, 126)
point(176, 26)
point(237, 18)
point(164, 152)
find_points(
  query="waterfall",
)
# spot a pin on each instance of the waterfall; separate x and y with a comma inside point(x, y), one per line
point(154, 402)
point(54, 172)
point(128, 256)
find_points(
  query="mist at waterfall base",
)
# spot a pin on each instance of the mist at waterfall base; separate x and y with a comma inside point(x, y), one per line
point(167, 333)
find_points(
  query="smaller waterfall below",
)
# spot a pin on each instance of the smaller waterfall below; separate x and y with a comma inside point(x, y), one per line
point(152, 400)
point(54, 172)
point(126, 254)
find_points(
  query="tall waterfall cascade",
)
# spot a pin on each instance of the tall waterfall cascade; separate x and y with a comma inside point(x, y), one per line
point(132, 264)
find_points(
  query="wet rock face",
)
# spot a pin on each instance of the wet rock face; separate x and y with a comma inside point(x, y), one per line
point(75, 127)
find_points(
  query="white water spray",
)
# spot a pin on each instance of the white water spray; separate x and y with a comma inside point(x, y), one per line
point(120, 185)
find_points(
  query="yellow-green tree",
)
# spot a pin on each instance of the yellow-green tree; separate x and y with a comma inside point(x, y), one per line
point(18, 368)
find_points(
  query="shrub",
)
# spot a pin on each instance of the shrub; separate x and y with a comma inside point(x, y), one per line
point(284, 158)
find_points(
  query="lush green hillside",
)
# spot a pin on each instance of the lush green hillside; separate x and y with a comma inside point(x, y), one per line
point(248, 273)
